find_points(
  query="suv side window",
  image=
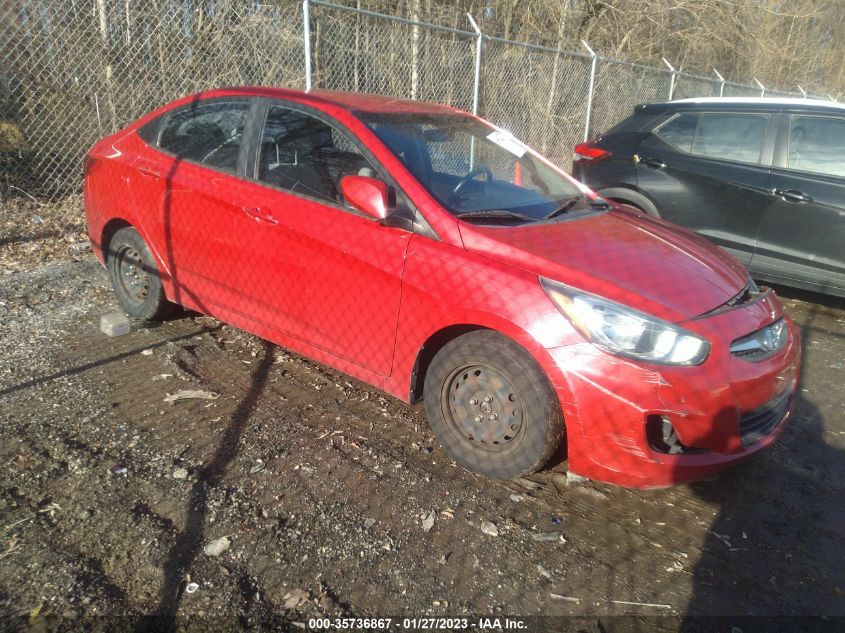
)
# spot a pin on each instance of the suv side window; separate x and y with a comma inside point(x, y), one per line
point(208, 133)
point(306, 155)
point(731, 136)
point(817, 144)
point(726, 135)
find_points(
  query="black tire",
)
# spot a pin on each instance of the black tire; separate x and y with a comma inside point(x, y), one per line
point(652, 213)
point(135, 277)
point(480, 374)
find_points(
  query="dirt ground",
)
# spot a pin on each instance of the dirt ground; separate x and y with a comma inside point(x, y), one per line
point(297, 492)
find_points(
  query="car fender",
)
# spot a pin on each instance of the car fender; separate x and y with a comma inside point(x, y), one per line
point(448, 288)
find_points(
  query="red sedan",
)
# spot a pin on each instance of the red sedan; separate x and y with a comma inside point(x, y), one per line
point(434, 256)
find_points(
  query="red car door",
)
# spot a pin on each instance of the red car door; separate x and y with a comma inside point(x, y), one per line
point(193, 174)
point(309, 266)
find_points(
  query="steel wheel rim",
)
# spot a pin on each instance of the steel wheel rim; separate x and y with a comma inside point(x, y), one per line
point(131, 274)
point(483, 408)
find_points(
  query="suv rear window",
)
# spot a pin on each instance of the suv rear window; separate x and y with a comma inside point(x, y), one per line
point(724, 135)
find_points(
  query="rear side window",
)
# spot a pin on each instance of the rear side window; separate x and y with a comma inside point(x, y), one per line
point(817, 144)
point(727, 135)
point(208, 133)
point(731, 136)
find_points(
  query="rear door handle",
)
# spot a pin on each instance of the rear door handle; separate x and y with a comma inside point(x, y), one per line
point(792, 195)
point(260, 215)
point(149, 171)
point(654, 163)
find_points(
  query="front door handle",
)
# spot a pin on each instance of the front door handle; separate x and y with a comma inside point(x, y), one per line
point(654, 163)
point(260, 215)
point(792, 195)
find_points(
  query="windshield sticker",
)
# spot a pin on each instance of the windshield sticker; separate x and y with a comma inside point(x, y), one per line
point(508, 143)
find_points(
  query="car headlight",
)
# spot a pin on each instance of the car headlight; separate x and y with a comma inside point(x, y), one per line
point(624, 331)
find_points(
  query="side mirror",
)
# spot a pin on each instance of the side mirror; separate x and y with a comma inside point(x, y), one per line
point(370, 196)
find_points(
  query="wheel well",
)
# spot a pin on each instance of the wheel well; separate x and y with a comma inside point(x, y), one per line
point(111, 227)
point(429, 350)
point(630, 197)
point(628, 202)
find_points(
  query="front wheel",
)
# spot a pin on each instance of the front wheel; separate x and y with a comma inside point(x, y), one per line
point(491, 406)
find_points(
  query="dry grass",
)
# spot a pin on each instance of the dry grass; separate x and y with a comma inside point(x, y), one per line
point(34, 233)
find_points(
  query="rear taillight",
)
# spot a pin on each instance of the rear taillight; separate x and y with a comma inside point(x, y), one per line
point(589, 153)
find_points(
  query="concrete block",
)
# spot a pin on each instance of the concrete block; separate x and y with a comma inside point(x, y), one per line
point(114, 324)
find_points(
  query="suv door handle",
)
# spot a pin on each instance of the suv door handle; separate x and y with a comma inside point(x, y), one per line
point(260, 215)
point(792, 195)
point(654, 163)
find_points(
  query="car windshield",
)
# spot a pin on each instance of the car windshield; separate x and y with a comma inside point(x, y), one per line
point(476, 172)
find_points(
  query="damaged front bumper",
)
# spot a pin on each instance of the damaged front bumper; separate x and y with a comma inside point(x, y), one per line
point(648, 426)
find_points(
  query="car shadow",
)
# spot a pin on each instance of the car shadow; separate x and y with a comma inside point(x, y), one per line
point(773, 560)
point(189, 542)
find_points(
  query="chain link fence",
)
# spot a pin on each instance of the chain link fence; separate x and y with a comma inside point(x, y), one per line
point(363, 52)
point(72, 71)
point(620, 86)
point(538, 94)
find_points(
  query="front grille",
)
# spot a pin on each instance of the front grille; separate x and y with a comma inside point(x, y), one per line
point(752, 354)
point(763, 343)
point(757, 424)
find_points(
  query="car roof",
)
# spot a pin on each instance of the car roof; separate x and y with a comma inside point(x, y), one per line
point(765, 103)
point(353, 101)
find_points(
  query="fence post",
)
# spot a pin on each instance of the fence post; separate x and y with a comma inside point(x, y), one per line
point(721, 83)
point(306, 40)
point(476, 87)
point(762, 87)
point(590, 89)
point(802, 91)
point(671, 77)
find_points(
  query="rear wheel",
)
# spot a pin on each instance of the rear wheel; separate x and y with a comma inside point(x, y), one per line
point(652, 212)
point(135, 277)
point(491, 406)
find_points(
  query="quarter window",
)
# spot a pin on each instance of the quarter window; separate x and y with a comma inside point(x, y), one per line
point(680, 131)
point(817, 144)
point(305, 155)
point(208, 133)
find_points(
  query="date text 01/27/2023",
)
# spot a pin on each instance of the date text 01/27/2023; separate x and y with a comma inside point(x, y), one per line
point(447, 624)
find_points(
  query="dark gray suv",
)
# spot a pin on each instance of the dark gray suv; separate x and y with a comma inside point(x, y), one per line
point(763, 178)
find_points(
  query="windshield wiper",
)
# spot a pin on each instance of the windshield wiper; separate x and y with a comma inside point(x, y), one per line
point(568, 203)
point(494, 214)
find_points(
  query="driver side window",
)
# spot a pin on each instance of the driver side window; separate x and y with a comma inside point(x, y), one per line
point(306, 155)
point(207, 133)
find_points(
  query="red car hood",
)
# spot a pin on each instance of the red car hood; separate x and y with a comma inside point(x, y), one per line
point(642, 262)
